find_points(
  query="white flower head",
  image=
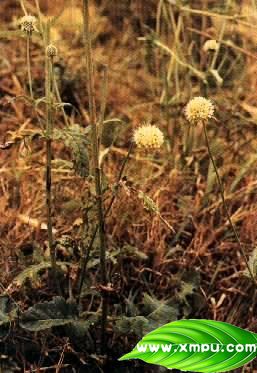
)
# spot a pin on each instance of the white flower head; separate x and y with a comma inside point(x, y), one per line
point(199, 109)
point(51, 51)
point(148, 136)
point(28, 24)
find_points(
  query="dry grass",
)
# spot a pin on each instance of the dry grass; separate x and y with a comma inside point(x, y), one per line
point(179, 181)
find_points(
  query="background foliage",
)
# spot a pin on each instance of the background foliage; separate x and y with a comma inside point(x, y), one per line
point(155, 65)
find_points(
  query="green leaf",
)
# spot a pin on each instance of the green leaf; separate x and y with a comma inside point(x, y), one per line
point(79, 328)
point(189, 282)
point(74, 137)
point(7, 309)
point(49, 314)
point(149, 204)
point(135, 325)
point(32, 272)
point(158, 312)
point(195, 334)
point(134, 252)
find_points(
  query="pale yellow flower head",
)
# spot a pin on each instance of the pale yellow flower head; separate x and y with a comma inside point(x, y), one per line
point(51, 51)
point(28, 24)
point(199, 109)
point(210, 45)
point(148, 137)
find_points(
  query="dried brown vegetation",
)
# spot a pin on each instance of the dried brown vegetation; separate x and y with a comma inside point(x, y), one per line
point(155, 65)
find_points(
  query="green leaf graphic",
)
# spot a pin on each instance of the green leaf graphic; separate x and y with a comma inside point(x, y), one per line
point(224, 338)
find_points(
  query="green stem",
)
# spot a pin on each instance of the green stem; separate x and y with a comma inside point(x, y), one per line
point(103, 101)
point(86, 253)
point(222, 193)
point(29, 67)
point(96, 166)
point(58, 96)
point(49, 131)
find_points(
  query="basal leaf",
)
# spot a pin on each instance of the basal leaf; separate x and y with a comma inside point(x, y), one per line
point(208, 346)
point(32, 272)
point(135, 325)
point(49, 314)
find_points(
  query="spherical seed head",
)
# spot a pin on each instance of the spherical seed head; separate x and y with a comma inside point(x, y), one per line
point(199, 109)
point(28, 24)
point(148, 137)
point(51, 51)
point(210, 45)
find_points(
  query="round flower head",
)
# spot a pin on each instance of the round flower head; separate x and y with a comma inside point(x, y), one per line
point(148, 137)
point(51, 51)
point(28, 24)
point(210, 45)
point(199, 109)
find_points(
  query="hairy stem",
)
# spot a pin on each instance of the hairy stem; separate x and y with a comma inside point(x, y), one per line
point(103, 101)
point(222, 193)
point(58, 96)
point(49, 131)
point(29, 67)
point(96, 167)
point(86, 253)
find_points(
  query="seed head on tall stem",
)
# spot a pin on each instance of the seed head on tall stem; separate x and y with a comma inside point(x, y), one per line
point(28, 25)
point(49, 131)
point(198, 111)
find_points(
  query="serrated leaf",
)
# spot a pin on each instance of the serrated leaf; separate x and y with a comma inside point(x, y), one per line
point(49, 314)
point(158, 312)
point(189, 283)
point(32, 271)
point(74, 138)
point(149, 204)
point(195, 333)
point(136, 325)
